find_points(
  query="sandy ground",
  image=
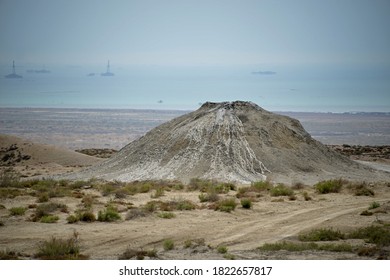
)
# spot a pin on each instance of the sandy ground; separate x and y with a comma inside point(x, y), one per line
point(241, 231)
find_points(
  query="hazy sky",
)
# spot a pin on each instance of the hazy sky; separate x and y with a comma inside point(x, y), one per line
point(196, 32)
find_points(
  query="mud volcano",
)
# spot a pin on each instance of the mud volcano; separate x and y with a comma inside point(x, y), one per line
point(228, 141)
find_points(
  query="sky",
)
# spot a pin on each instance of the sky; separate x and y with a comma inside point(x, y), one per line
point(331, 55)
point(199, 32)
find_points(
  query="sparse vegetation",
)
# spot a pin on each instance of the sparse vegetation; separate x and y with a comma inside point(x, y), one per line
point(168, 245)
point(166, 215)
point(59, 249)
point(8, 255)
point(378, 235)
point(135, 213)
point(226, 205)
point(222, 249)
point(246, 203)
point(281, 190)
point(330, 186)
point(137, 254)
point(374, 205)
point(361, 189)
point(306, 196)
point(17, 211)
point(306, 246)
point(322, 234)
point(110, 214)
point(49, 219)
point(46, 209)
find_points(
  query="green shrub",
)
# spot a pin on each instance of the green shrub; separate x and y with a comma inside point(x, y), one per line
point(246, 203)
point(158, 193)
point(59, 249)
point(281, 190)
point(307, 246)
point(226, 205)
point(110, 214)
point(9, 179)
point(222, 249)
point(374, 205)
point(330, 186)
point(72, 219)
point(166, 215)
point(211, 196)
point(86, 216)
point(43, 197)
point(168, 245)
point(321, 235)
point(47, 209)
point(17, 211)
point(228, 256)
point(49, 219)
point(185, 205)
point(373, 234)
point(261, 186)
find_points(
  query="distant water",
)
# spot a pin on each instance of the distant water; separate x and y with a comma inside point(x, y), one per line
point(301, 89)
point(114, 128)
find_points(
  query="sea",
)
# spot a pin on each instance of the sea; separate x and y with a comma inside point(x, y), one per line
point(76, 107)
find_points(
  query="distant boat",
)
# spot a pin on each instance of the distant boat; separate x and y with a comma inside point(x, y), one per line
point(91, 74)
point(108, 73)
point(13, 75)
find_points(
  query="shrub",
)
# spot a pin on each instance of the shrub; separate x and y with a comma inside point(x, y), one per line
point(49, 219)
point(168, 245)
point(374, 205)
point(110, 214)
point(43, 197)
point(8, 255)
point(226, 205)
point(9, 179)
point(211, 196)
point(298, 247)
point(158, 193)
point(222, 249)
point(72, 219)
point(361, 189)
point(48, 208)
point(137, 254)
point(321, 235)
point(306, 196)
point(17, 211)
point(135, 213)
point(1, 223)
point(366, 213)
point(330, 186)
point(59, 249)
point(281, 190)
point(373, 234)
point(261, 186)
point(86, 216)
point(246, 203)
point(185, 205)
point(166, 215)
point(228, 256)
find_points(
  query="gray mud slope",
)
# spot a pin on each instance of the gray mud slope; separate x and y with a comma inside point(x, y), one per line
point(228, 141)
